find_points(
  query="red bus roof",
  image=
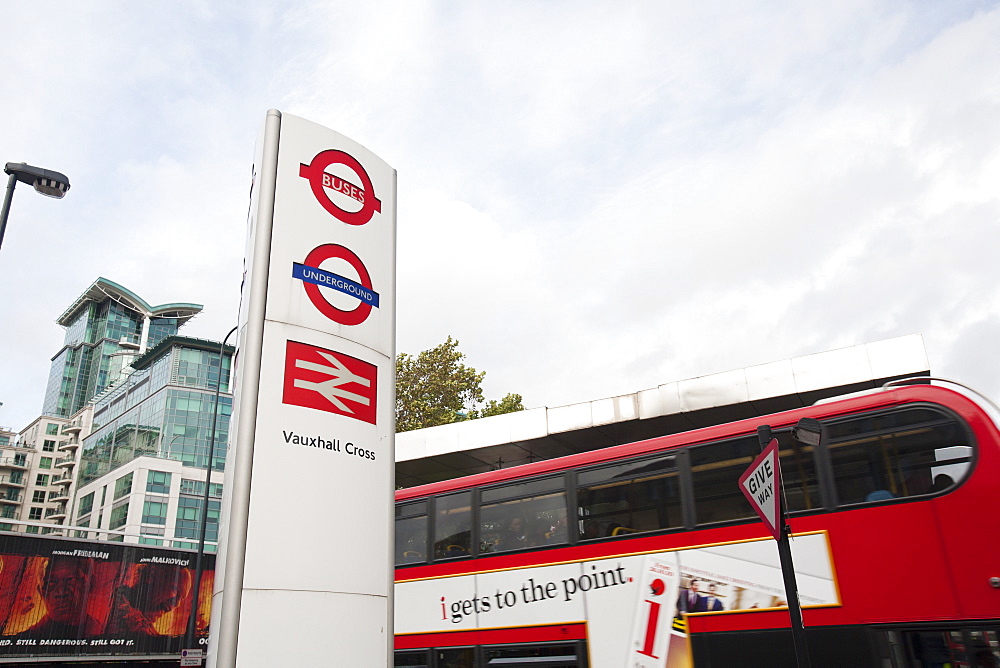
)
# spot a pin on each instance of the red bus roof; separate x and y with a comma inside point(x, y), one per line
point(849, 404)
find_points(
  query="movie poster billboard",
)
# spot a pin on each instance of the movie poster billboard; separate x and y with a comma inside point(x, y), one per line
point(81, 599)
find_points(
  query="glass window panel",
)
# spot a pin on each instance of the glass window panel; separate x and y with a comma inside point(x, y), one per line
point(529, 488)
point(158, 482)
point(453, 525)
point(411, 659)
point(123, 486)
point(154, 512)
point(550, 656)
point(118, 517)
point(530, 522)
point(86, 504)
point(637, 496)
point(798, 473)
point(456, 658)
point(716, 469)
point(411, 540)
point(896, 454)
point(411, 509)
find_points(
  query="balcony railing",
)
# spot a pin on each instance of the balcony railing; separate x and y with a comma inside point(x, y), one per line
point(18, 481)
point(14, 462)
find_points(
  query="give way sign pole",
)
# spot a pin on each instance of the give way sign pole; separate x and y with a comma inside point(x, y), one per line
point(761, 484)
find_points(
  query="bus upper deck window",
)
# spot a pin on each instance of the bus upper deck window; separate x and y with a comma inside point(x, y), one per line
point(411, 532)
point(895, 454)
point(637, 496)
point(527, 514)
point(453, 525)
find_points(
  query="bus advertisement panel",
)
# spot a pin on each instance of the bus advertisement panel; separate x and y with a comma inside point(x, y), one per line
point(634, 605)
point(80, 599)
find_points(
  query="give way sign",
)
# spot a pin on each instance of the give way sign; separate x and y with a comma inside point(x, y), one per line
point(761, 484)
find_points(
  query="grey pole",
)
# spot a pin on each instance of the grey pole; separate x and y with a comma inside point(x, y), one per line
point(787, 568)
point(11, 182)
point(199, 568)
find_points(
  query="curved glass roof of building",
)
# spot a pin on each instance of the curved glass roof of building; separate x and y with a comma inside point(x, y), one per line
point(102, 289)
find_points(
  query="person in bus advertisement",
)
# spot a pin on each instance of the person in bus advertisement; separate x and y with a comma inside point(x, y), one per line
point(690, 600)
point(69, 604)
point(712, 601)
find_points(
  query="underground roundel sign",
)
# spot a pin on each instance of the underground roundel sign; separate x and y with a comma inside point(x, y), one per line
point(313, 278)
point(320, 181)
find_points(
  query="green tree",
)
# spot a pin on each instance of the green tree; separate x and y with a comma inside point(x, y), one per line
point(435, 387)
point(509, 404)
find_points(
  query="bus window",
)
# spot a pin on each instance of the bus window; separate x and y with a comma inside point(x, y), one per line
point(529, 514)
point(641, 495)
point(550, 656)
point(896, 454)
point(411, 532)
point(798, 473)
point(715, 470)
point(463, 657)
point(452, 525)
point(411, 659)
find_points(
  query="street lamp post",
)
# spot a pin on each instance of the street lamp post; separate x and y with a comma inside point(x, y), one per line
point(191, 635)
point(45, 181)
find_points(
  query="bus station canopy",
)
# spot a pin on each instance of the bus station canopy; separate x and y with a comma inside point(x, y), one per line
point(475, 446)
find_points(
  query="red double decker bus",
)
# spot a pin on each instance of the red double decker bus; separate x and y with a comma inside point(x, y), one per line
point(648, 555)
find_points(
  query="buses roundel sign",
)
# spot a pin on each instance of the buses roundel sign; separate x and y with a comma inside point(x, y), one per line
point(320, 181)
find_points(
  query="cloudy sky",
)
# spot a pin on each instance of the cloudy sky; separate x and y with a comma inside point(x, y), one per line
point(594, 198)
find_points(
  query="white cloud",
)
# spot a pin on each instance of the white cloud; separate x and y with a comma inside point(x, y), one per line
point(593, 197)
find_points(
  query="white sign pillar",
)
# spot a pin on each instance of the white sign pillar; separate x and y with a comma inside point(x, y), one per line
point(304, 573)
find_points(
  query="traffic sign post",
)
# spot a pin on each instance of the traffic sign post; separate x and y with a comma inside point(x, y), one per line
point(761, 484)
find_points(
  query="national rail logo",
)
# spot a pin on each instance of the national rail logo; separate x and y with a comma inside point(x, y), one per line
point(320, 180)
point(326, 380)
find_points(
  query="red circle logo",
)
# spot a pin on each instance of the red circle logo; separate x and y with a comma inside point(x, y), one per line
point(320, 181)
point(317, 256)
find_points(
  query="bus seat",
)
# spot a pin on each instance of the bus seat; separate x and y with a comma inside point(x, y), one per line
point(880, 495)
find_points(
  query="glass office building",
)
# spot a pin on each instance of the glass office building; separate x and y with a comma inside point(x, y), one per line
point(163, 409)
point(106, 328)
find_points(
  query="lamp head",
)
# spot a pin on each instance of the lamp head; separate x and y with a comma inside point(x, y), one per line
point(45, 181)
point(808, 431)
